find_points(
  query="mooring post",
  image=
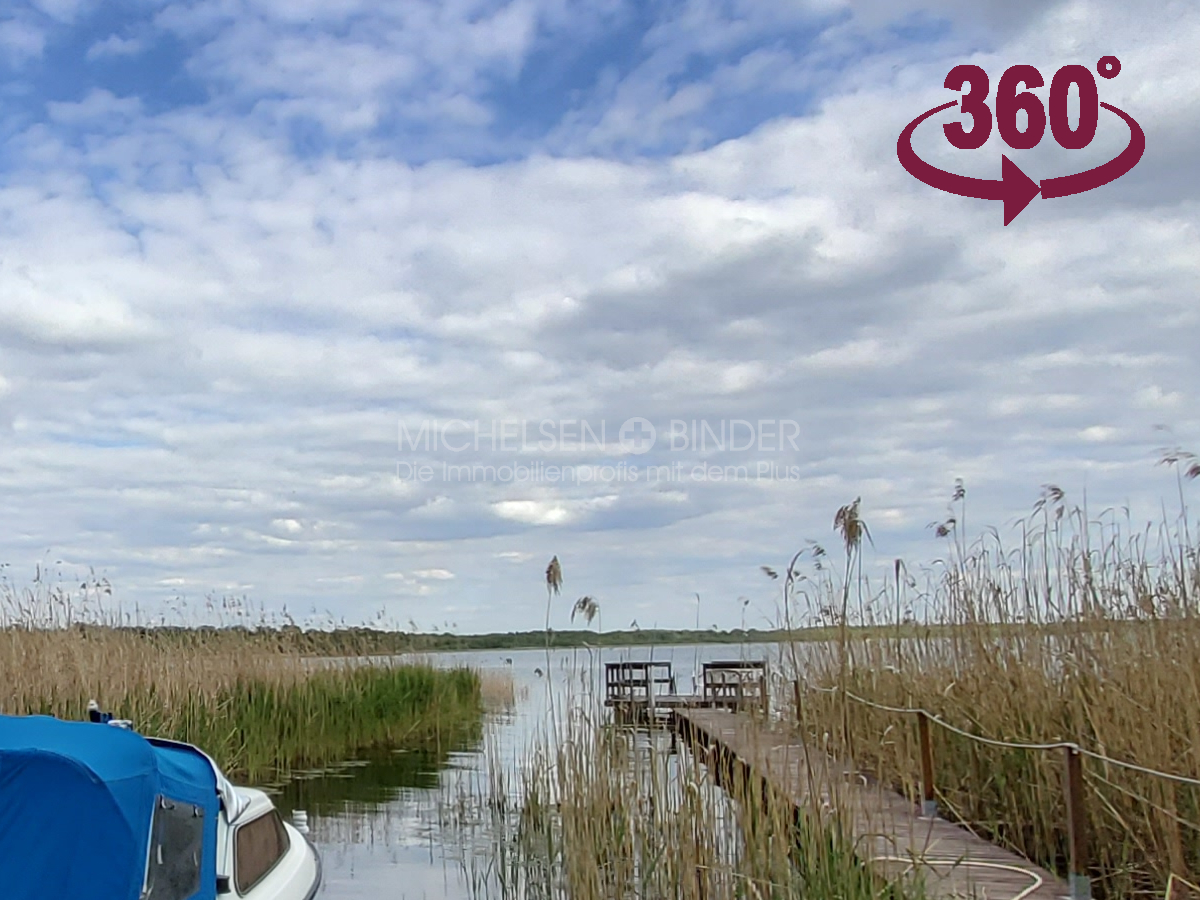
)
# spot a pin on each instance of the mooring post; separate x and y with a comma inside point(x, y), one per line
point(1080, 883)
point(928, 800)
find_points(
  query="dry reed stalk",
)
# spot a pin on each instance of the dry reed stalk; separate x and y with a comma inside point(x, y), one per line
point(1084, 631)
point(498, 690)
point(609, 812)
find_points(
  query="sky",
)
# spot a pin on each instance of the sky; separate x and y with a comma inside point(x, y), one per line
point(364, 311)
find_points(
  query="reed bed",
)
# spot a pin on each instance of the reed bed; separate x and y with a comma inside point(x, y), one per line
point(254, 702)
point(603, 811)
point(1084, 630)
point(499, 691)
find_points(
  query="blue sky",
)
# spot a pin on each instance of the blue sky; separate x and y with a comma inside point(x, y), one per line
point(243, 243)
point(559, 64)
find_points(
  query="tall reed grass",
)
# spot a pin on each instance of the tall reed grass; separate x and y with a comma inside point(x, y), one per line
point(1081, 629)
point(257, 704)
point(596, 810)
point(603, 811)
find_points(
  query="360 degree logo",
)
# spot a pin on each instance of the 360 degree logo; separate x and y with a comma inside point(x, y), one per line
point(1014, 187)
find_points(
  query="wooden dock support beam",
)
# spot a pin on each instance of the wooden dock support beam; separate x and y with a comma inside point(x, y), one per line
point(928, 797)
point(1080, 883)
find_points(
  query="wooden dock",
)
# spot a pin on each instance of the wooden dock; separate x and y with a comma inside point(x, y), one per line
point(645, 691)
point(888, 831)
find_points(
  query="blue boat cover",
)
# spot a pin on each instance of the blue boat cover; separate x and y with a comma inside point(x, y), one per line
point(77, 800)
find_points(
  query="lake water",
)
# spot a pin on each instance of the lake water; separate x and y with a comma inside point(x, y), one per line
point(375, 819)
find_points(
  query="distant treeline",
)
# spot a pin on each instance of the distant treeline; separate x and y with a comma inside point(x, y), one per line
point(517, 640)
point(363, 640)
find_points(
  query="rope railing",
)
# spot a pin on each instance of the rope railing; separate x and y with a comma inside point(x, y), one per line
point(1073, 774)
point(1011, 745)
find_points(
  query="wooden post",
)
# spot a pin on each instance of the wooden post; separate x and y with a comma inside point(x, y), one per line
point(796, 697)
point(1080, 883)
point(928, 799)
point(650, 691)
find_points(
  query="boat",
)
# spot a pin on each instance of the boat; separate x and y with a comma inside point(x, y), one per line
point(95, 812)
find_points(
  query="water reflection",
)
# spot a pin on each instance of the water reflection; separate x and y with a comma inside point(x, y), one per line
point(373, 780)
point(375, 819)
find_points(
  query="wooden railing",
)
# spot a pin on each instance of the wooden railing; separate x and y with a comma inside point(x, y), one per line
point(637, 682)
point(1073, 786)
point(736, 684)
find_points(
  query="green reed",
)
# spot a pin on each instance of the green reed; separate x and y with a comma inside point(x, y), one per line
point(257, 704)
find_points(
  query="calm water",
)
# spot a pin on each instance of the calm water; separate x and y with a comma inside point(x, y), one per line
point(375, 819)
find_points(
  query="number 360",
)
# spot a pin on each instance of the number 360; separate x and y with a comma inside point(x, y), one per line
point(1009, 101)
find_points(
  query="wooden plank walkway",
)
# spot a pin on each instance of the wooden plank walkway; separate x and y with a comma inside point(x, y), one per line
point(888, 830)
point(667, 702)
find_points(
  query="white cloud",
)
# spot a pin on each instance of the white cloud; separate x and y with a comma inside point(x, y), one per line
point(1154, 397)
point(348, 64)
point(115, 45)
point(513, 556)
point(20, 41)
point(66, 11)
point(208, 339)
point(341, 579)
point(98, 108)
point(552, 511)
point(1099, 433)
point(533, 512)
point(434, 574)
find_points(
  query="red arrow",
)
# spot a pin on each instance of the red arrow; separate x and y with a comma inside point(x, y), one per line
point(1015, 188)
point(1065, 185)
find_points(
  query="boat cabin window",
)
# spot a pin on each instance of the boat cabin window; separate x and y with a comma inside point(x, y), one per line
point(258, 845)
point(176, 846)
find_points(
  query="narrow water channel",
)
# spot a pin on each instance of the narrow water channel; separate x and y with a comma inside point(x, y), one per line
point(375, 819)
